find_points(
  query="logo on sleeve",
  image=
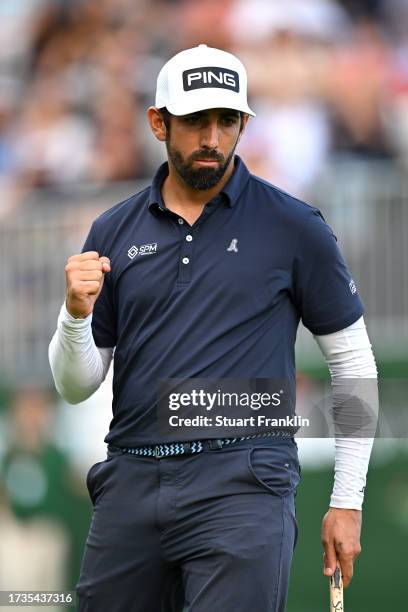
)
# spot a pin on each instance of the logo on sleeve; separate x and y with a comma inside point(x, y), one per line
point(144, 249)
point(210, 76)
point(352, 286)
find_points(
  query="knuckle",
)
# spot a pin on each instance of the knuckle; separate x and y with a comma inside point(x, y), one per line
point(71, 277)
point(94, 264)
point(71, 267)
point(348, 551)
point(74, 288)
point(93, 287)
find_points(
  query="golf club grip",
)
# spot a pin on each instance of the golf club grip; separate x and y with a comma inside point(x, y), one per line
point(336, 591)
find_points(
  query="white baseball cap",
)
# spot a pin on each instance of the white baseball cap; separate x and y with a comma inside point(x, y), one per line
point(202, 78)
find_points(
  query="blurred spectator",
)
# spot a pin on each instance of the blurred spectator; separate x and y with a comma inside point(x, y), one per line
point(355, 87)
point(38, 493)
point(52, 143)
point(395, 107)
point(205, 21)
point(287, 48)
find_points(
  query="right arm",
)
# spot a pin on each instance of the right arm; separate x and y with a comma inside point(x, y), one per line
point(78, 366)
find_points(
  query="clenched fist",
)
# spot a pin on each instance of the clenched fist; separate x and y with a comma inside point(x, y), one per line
point(84, 275)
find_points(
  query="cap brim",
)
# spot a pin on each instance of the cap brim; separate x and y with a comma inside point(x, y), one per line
point(206, 102)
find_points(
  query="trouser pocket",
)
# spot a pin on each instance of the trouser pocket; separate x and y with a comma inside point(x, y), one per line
point(275, 468)
point(98, 476)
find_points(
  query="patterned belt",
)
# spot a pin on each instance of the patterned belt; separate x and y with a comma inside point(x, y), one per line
point(174, 449)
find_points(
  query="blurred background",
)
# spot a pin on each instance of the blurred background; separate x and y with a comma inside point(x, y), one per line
point(329, 83)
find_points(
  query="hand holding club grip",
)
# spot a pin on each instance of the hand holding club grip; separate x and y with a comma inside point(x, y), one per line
point(336, 591)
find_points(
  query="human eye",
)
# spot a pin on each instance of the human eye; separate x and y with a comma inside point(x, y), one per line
point(192, 119)
point(229, 120)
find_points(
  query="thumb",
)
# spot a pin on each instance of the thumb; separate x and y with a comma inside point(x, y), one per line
point(106, 267)
point(329, 560)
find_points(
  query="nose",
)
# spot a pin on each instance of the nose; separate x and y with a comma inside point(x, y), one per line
point(209, 134)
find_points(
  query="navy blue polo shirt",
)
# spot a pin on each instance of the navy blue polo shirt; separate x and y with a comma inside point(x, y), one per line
point(219, 299)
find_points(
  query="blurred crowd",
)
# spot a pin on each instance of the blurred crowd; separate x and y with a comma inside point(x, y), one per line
point(76, 77)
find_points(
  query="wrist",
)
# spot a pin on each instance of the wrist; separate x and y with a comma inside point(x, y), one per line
point(334, 509)
point(341, 515)
point(72, 315)
point(70, 320)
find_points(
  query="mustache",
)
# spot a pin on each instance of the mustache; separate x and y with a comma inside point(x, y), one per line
point(208, 155)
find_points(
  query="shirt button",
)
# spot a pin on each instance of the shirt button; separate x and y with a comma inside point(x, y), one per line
point(189, 237)
point(181, 221)
point(185, 260)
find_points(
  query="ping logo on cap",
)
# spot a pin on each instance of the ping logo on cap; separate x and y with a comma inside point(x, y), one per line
point(210, 76)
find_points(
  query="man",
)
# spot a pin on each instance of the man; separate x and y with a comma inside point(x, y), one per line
point(205, 274)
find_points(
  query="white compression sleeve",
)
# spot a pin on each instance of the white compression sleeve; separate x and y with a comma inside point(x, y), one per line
point(348, 354)
point(78, 366)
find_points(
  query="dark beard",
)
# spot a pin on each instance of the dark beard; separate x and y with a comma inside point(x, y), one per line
point(199, 178)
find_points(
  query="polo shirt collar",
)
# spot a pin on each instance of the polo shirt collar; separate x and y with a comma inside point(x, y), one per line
point(232, 189)
point(237, 182)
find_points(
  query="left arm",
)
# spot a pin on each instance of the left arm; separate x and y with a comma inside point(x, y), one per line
point(348, 354)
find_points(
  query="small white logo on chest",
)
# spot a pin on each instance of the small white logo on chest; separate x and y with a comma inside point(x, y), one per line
point(145, 249)
point(233, 246)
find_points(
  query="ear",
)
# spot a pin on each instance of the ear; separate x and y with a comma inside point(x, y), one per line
point(245, 120)
point(156, 123)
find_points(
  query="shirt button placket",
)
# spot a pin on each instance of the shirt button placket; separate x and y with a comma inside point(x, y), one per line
point(186, 254)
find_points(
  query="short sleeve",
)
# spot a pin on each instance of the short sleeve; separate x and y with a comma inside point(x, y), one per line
point(104, 314)
point(324, 292)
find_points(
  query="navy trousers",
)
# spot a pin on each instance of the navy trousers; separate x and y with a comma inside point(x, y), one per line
point(212, 532)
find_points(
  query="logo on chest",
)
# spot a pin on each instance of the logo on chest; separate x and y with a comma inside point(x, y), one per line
point(144, 249)
point(233, 247)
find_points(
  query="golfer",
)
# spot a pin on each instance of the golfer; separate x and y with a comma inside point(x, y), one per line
point(205, 274)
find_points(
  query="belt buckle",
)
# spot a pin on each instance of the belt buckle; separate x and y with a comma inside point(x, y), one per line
point(158, 453)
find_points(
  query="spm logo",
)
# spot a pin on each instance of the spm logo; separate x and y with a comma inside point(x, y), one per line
point(144, 249)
